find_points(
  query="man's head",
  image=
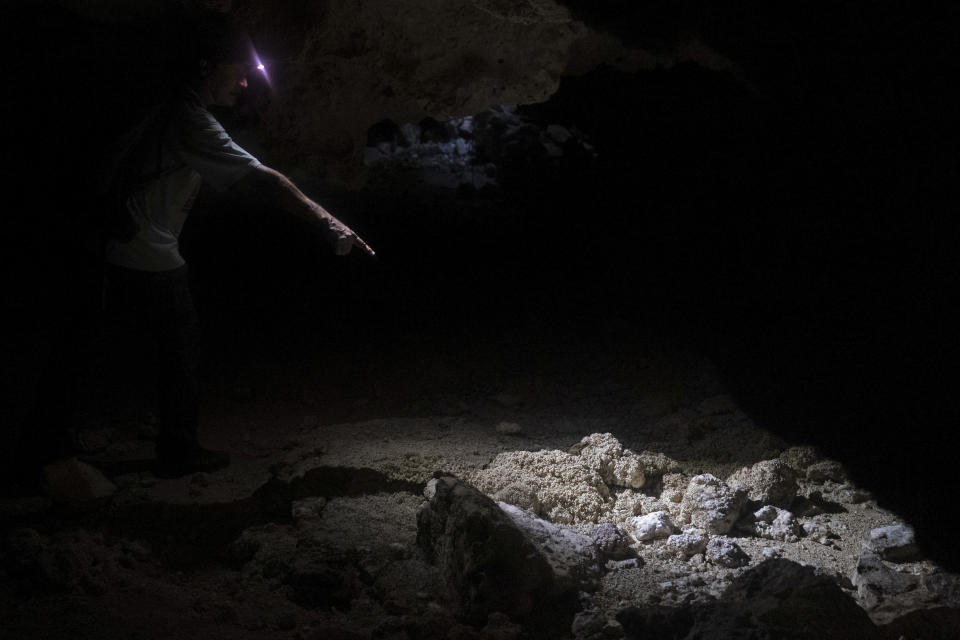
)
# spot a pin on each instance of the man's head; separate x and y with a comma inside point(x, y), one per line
point(222, 58)
point(224, 82)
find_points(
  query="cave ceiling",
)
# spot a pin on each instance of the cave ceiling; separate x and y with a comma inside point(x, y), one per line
point(342, 65)
point(339, 66)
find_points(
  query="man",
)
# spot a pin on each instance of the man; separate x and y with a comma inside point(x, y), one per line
point(146, 273)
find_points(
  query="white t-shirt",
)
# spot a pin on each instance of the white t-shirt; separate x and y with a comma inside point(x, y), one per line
point(194, 148)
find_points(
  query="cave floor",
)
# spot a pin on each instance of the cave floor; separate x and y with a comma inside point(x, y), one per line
point(332, 450)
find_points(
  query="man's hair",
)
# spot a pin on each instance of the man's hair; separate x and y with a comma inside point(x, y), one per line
point(220, 41)
point(205, 39)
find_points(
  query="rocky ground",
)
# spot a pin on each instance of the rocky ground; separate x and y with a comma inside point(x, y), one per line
point(508, 491)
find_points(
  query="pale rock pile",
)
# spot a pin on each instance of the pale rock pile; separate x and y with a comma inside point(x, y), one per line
point(552, 484)
point(644, 501)
point(645, 510)
point(596, 479)
point(617, 466)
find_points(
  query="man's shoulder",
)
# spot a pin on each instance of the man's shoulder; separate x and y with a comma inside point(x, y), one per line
point(188, 110)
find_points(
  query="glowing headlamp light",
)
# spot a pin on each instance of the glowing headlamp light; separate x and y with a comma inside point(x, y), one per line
point(258, 63)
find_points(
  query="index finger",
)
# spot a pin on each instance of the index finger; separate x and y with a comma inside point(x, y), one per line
point(358, 241)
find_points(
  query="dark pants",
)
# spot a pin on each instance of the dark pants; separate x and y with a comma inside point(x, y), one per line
point(159, 305)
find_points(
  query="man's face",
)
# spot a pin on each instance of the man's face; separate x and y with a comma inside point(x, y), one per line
point(225, 83)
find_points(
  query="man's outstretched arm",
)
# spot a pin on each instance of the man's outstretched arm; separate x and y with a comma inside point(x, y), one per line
point(268, 185)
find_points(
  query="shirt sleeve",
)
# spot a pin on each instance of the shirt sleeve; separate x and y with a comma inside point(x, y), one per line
point(204, 145)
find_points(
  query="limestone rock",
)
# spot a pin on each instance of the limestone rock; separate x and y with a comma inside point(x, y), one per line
point(652, 526)
point(621, 565)
point(821, 532)
point(308, 507)
point(657, 464)
point(594, 625)
point(509, 428)
point(709, 504)
point(774, 523)
point(487, 562)
point(603, 453)
point(75, 481)
point(768, 482)
point(611, 541)
point(887, 591)
point(674, 486)
point(688, 543)
point(799, 458)
point(845, 493)
point(826, 470)
point(574, 558)
point(519, 495)
point(628, 503)
point(724, 552)
point(568, 492)
point(93, 440)
point(777, 599)
point(894, 543)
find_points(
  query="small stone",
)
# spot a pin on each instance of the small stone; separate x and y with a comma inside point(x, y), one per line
point(652, 526)
point(674, 486)
point(559, 134)
point(657, 464)
point(611, 541)
point(135, 549)
point(587, 623)
point(826, 470)
point(894, 543)
point(124, 448)
point(147, 430)
point(819, 532)
point(800, 458)
point(93, 440)
point(725, 552)
point(774, 523)
point(688, 543)
point(430, 490)
point(509, 428)
point(200, 480)
point(519, 495)
point(508, 399)
point(75, 481)
point(630, 503)
point(770, 553)
point(620, 565)
point(767, 482)
point(308, 507)
point(847, 493)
